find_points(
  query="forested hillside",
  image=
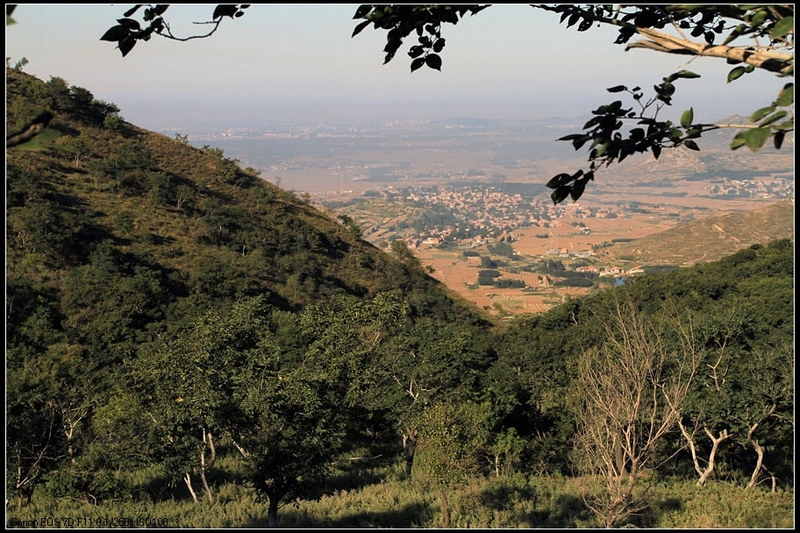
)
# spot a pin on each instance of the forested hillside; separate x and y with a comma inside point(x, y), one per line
point(175, 323)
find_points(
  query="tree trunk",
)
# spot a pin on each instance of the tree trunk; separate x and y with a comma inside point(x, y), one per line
point(242, 451)
point(272, 512)
point(188, 479)
point(204, 466)
point(759, 463)
point(758, 448)
point(409, 447)
point(706, 472)
point(206, 487)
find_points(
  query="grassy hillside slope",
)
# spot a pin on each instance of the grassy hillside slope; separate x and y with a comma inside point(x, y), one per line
point(711, 238)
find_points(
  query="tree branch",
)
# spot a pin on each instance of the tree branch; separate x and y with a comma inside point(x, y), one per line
point(661, 42)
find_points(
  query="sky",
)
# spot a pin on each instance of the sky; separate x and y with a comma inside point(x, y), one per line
point(297, 63)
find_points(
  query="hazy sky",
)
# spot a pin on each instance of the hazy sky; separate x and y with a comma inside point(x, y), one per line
point(298, 62)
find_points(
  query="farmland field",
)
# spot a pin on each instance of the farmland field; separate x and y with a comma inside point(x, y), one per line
point(460, 273)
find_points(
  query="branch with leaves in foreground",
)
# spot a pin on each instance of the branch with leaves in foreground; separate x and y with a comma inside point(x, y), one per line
point(608, 145)
point(128, 31)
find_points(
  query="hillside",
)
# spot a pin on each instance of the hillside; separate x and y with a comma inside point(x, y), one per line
point(92, 184)
point(710, 238)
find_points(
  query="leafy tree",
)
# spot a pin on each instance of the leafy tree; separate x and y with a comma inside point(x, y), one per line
point(35, 444)
point(192, 386)
point(450, 438)
point(769, 414)
point(306, 403)
point(430, 360)
point(284, 387)
point(741, 389)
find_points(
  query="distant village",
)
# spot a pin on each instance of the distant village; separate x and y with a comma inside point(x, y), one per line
point(468, 217)
point(471, 214)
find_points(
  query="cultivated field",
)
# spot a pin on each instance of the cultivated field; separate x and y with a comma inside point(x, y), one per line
point(461, 273)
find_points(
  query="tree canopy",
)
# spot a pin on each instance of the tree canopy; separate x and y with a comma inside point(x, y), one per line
point(749, 37)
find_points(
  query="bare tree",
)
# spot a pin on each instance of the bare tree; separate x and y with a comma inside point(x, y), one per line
point(628, 390)
point(719, 334)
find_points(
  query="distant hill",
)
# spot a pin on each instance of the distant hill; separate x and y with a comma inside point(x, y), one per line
point(710, 238)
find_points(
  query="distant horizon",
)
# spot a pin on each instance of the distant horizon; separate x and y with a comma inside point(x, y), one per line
point(174, 119)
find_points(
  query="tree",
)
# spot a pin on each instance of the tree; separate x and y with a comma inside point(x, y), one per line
point(283, 387)
point(306, 403)
point(450, 438)
point(629, 391)
point(428, 361)
point(744, 397)
point(187, 387)
point(770, 388)
point(710, 405)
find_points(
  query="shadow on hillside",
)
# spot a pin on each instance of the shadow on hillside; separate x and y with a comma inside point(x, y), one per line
point(651, 517)
point(566, 511)
point(163, 488)
point(407, 516)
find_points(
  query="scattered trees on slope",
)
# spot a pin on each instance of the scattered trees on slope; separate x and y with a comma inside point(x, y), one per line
point(322, 370)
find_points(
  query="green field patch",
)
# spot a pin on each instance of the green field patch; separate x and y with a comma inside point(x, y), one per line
point(43, 140)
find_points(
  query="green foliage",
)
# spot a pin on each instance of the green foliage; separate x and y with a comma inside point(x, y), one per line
point(401, 20)
point(768, 125)
point(450, 437)
point(301, 409)
point(488, 276)
point(576, 279)
point(503, 249)
point(487, 263)
point(509, 283)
